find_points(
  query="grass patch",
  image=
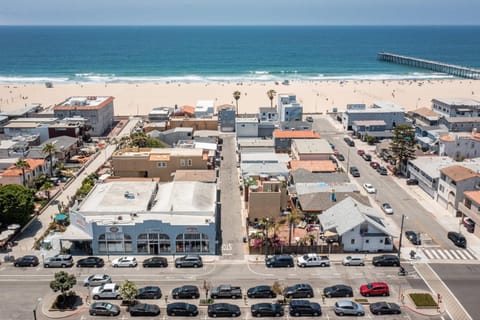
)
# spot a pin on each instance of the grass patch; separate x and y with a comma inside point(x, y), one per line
point(423, 300)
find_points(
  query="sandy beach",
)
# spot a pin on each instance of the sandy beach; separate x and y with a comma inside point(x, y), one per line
point(320, 96)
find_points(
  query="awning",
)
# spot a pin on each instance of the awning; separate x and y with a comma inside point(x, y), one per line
point(73, 234)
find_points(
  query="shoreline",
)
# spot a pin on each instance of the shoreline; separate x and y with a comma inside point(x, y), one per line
point(139, 98)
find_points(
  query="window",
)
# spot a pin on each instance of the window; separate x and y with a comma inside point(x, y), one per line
point(153, 243)
point(161, 164)
point(182, 162)
point(192, 243)
point(352, 241)
point(367, 241)
point(189, 162)
point(115, 243)
point(468, 203)
point(441, 188)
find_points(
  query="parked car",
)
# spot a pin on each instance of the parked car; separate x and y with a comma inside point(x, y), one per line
point(144, 310)
point(26, 261)
point(182, 309)
point(59, 261)
point(339, 290)
point(104, 309)
point(106, 291)
point(130, 262)
point(374, 165)
point(301, 290)
point(186, 292)
point(353, 261)
point(149, 292)
point(280, 261)
point(348, 308)
point(261, 292)
point(348, 140)
point(458, 239)
point(223, 310)
point(267, 310)
point(413, 237)
point(304, 308)
point(369, 188)
point(155, 262)
point(382, 170)
point(313, 260)
point(469, 224)
point(389, 260)
point(189, 261)
point(367, 157)
point(412, 182)
point(340, 157)
point(360, 152)
point(374, 289)
point(226, 291)
point(383, 307)
point(387, 208)
point(96, 280)
point(354, 172)
point(90, 262)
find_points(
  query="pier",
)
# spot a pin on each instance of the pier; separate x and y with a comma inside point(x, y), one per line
point(458, 71)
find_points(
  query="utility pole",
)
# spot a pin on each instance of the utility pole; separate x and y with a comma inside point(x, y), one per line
point(401, 234)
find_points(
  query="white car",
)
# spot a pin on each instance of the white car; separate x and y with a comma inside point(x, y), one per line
point(369, 188)
point(353, 261)
point(124, 262)
point(387, 208)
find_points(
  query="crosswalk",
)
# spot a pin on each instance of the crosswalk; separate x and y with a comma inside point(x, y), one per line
point(448, 254)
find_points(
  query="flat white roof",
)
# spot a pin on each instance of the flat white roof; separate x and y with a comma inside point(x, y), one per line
point(312, 146)
point(91, 101)
point(458, 101)
point(185, 197)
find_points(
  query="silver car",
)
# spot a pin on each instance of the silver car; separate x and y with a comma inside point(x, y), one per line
point(96, 280)
point(350, 308)
point(353, 261)
point(59, 261)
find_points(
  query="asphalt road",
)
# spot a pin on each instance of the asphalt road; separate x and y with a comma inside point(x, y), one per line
point(25, 285)
point(417, 218)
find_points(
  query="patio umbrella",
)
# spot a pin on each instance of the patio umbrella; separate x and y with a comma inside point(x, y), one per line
point(60, 217)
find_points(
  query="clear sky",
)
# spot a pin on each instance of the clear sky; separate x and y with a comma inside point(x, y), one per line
point(240, 12)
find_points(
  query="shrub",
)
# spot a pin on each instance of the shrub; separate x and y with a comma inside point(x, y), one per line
point(423, 299)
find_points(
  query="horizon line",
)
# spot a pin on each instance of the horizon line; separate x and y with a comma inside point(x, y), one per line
point(239, 25)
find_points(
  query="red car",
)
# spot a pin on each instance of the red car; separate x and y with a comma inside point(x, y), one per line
point(374, 289)
point(374, 165)
point(361, 152)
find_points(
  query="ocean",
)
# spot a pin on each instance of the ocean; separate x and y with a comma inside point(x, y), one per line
point(129, 54)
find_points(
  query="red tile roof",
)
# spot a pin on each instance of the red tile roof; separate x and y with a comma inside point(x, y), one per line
point(13, 172)
point(473, 195)
point(295, 134)
point(458, 173)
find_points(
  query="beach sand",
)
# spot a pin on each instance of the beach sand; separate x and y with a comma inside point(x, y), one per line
point(319, 96)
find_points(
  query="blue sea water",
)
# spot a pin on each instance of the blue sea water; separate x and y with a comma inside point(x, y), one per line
point(120, 54)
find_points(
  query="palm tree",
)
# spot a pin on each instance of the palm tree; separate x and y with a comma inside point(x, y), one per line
point(46, 187)
point(271, 93)
point(291, 219)
point(236, 96)
point(23, 165)
point(50, 150)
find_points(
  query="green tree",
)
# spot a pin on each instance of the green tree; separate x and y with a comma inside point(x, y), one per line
point(46, 187)
point(128, 290)
point(403, 145)
point(50, 149)
point(63, 282)
point(16, 204)
point(271, 94)
point(154, 143)
point(23, 165)
point(138, 139)
point(279, 289)
point(291, 220)
point(236, 96)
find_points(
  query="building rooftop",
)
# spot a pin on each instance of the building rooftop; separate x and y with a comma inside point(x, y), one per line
point(473, 196)
point(458, 102)
point(255, 143)
point(313, 165)
point(270, 169)
point(305, 188)
point(425, 112)
point(246, 120)
point(13, 172)
point(379, 107)
point(155, 153)
point(195, 175)
point(432, 165)
point(294, 134)
point(463, 119)
point(329, 178)
point(322, 201)
point(459, 173)
point(312, 146)
point(369, 122)
point(264, 157)
point(8, 144)
point(185, 197)
point(84, 103)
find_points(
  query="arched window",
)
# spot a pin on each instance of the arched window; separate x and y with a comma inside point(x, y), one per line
point(111, 243)
point(192, 243)
point(153, 243)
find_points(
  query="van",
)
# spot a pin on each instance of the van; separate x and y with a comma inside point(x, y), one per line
point(279, 261)
point(349, 141)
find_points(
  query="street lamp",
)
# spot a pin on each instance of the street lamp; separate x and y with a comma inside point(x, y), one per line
point(35, 309)
point(266, 233)
point(401, 234)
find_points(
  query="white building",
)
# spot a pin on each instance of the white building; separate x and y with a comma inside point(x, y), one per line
point(460, 145)
point(456, 107)
point(392, 114)
point(204, 108)
point(246, 127)
point(289, 108)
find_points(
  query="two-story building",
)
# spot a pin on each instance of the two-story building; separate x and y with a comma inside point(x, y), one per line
point(454, 181)
point(283, 138)
point(12, 175)
point(391, 114)
point(458, 114)
point(311, 149)
point(29, 127)
point(470, 208)
point(266, 198)
point(289, 108)
point(460, 146)
point(426, 170)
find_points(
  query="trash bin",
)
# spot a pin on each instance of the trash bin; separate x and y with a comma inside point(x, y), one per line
point(244, 239)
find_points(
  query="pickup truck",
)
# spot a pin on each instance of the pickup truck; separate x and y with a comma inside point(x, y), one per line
point(313, 260)
point(226, 291)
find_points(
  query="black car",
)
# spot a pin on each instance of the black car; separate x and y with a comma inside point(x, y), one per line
point(382, 170)
point(383, 307)
point(155, 262)
point(458, 239)
point(223, 310)
point(150, 292)
point(261, 292)
point(104, 309)
point(305, 308)
point(182, 309)
point(267, 310)
point(339, 290)
point(26, 261)
point(340, 157)
point(412, 182)
point(280, 261)
point(186, 292)
point(301, 290)
point(90, 262)
point(413, 237)
point(143, 309)
point(189, 261)
point(386, 260)
point(354, 172)
point(367, 157)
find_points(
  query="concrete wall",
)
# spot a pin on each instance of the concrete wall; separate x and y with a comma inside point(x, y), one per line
point(196, 124)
